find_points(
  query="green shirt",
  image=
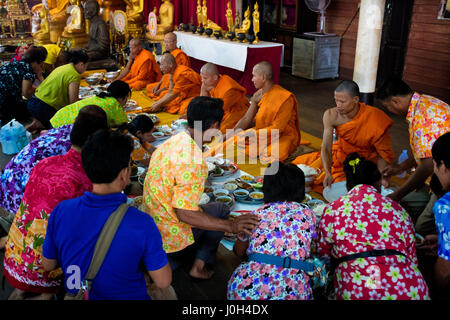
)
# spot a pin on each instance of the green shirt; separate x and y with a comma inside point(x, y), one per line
point(112, 107)
point(54, 90)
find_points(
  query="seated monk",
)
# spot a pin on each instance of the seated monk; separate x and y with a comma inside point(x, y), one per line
point(235, 103)
point(170, 43)
point(360, 128)
point(141, 68)
point(271, 122)
point(177, 87)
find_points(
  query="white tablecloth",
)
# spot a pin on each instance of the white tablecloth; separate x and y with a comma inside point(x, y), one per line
point(231, 54)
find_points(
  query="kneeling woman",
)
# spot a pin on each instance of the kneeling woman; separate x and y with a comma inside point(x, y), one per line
point(370, 240)
point(286, 229)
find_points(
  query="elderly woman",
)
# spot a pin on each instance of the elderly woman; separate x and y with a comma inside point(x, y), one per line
point(58, 90)
point(16, 82)
point(112, 102)
point(370, 240)
point(286, 230)
point(53, 180)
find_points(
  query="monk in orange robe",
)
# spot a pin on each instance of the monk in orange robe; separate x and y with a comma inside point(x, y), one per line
point(235, 103)
point(170, 43)
point(359, 128)
point(271, 122)
point(141, 69)
point(178, 86)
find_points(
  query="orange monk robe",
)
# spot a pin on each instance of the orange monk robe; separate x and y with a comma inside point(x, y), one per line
point(235, 103)
point(181, 57)
point(144, 70)
point(276, 133)
point(367, 133)
point(186, 82)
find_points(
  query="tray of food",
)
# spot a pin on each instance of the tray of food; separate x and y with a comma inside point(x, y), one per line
point(219, 168)
point(131, 105)
point(162, 132)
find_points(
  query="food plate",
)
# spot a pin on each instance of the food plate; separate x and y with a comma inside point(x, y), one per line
point(139, 172)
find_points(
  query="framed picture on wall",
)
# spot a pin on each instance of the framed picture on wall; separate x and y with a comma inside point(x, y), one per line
point(444, 10)
point(289, 14)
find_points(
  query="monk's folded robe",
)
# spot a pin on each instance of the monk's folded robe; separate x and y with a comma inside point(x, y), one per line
point(367, 133)
point(235, 103)
point(276, 133)
point(186, 83)
point(144, 70)
point(181, 57)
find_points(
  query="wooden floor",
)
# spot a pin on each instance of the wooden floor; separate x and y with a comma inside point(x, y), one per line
point(314, 98)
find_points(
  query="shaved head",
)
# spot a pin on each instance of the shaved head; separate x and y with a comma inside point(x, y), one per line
point(136, 42)
point(170, 41)
point(168, 63)
point(264, 68)
point(349, 87)
point(210, 69)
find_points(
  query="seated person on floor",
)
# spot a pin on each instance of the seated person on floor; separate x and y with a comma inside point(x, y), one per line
point(140, 130)
point(170, 44)
point(271, 123)
point(141, 69)
point(173, 188)
point(359, 127)
point(281, 213)
point(176, 89)
point(428, 119)
point(136, 247)
point(365, 223)
point(235, 103)
point(56, 57)
point(112, 102)
point(51, 181)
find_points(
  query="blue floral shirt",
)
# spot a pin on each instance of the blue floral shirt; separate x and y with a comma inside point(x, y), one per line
point(11, 76)
point(442, 216)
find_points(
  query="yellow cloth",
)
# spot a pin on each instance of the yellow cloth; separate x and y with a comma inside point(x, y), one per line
point(52, 53)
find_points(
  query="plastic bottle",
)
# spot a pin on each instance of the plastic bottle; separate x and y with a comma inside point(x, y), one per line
point(403, 157)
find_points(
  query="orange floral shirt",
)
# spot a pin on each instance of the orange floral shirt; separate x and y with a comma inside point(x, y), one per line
point(140, 152)
point(175, 179)
point(428, 118)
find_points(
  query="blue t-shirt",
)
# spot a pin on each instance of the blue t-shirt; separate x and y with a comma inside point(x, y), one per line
point(72, 232)
point(441, 211)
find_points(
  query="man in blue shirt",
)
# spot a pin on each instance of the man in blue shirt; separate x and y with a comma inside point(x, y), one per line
point(75, 225)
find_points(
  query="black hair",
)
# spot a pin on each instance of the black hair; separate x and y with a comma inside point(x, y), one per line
point(205, 109)
point(441, 150)
point(348, 86)
point(358, 170)
point(436, 186)
point(35, 54)
point(287, 184)
point(141, 123)
point(117, 89)
point(90, 119)
point(77, 56)
point(105, 154)
point(393, 87)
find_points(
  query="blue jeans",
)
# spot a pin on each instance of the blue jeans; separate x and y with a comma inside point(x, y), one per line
point(41, 111)
point(206, 241)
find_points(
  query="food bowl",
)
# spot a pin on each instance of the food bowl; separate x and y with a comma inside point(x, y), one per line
point(193, 29)
point(230, 186)
point(93, 80)
point(111, 75)
point(227, 200)
point(209, 191)
point(247, 178)
point(230, 35)
point(218, 34)
point(185, 26)
point(251, 38)
point(221, 193)
point(200, 30)
point(158, 135)
point(209, 32)
point(256, 196)
point(241, 36)
point(240, 194)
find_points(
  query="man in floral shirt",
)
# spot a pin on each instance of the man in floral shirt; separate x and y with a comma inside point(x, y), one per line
point(428, 118)
point(174, 185)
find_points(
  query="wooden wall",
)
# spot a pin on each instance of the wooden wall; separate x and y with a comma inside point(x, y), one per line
point(427, 65)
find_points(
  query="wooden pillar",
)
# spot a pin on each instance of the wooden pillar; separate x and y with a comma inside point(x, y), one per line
point(368, 47)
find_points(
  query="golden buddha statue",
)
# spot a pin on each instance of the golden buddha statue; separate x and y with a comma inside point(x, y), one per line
point(135, 16)
point(212, 25)
point(166, 14)
point(57, 16)
point(199, 13)
point(229, 16)
point(246, 24)
point(237, 21)
point(75, 30)
point(42, 36)
point(204, 14)
point(256, 22)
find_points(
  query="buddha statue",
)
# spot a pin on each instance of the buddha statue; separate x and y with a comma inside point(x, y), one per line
point(204, 14)
point(135, 9)
point(212, 25)
point(57, 16)
point(166, 14)
point(98, 44)
point(75, 30)
point(42, 36)
point(199, 13)
point(246, 24)
point(229, 16)
point(256, 21)
point(237, 21)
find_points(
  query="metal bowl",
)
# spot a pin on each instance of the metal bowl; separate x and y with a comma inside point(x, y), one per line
point(193, 29)
point(209, 32)
point(230, 35)
point(93, 80)
point(241, 36)
point(200, 30)
point(111, 75)
point(218, 34)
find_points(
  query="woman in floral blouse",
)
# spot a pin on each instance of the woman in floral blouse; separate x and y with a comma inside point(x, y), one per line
point(286, 229)
point(364, 221)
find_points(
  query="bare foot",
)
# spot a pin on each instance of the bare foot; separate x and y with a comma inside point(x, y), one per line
point(17, 295)
point(199, 270)
point(35, 126)
point(3, 242)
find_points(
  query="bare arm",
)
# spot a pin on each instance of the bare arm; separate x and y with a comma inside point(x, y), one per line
point(162, 277)
point(159, 105)
point(125, 70)
point(326, 150)
point(442, 272)
point(249, 118)
point(240, 248)
point(27, 88)
point(49, 264)
point(74, 88)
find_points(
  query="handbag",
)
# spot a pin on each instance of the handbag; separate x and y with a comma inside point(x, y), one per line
point(101, 249)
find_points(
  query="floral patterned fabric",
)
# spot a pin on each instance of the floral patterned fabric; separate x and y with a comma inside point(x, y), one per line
point(361, 221)
point(442, 215)
point(429, 118)
point(52, 180)
point(175, 179)
point(286, 229)
point(11, 76)
point(140, 152)
point(15, 174)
